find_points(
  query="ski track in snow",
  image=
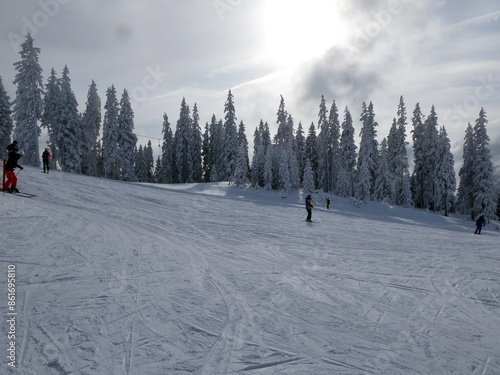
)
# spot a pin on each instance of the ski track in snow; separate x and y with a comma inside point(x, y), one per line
point(139, 279)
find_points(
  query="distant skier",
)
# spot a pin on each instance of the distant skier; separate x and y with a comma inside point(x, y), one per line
point(309, 207)
point(327, 203)
point(11, 182)
point(45, 157)
point(479, 224)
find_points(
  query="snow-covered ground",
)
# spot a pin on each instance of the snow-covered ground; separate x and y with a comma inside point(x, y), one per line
point(138, 279)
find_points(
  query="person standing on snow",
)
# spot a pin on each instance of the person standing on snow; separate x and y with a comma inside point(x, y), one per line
point(9, 172)
point(309, 207)
point(12, 148)
point(45, 157)
point(327, 203)
point(479, 224)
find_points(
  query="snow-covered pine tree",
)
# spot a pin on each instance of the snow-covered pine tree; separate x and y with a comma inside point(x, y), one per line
point(285, 183)
point(127, 140)
point(311, 151)
point(183, 133)
point(347, 157)
point(258, 159)
point(110, 135)
point(417, 179)
point(465, 193)
point(205, 155)
point(196, 145)
point(158, 175)
point(216, 132)
point(308, 178)
point(230, 138)
point(430, 155)
point(51, 117)
point(403, 191)
point(140, 166)
point(334, 126)
point(241, 171)
point(384, 183)
point(269, 169)
point(91, 124)
point(28, 104)
point(242, 140)
point(324, 147)
point(167, 152)
point(300, 143)
point(445, 174)
point(149, 162)
point(6, 123)
point(368, 152)
point(484, 186)
point(71, 127)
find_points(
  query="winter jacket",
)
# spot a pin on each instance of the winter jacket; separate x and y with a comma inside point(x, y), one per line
point(481, 221)
point(308, 203)
point(46, 155)
point(12, 162)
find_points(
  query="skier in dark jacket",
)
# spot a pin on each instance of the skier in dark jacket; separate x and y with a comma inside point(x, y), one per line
point(309, 207)
point(12, 148)
point(45, 157)
point(479, 224)
point(11, 182)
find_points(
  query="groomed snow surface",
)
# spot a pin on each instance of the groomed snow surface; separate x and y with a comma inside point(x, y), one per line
point(142, 279)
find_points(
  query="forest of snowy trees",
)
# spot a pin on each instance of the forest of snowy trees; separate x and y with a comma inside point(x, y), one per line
point(324, 156)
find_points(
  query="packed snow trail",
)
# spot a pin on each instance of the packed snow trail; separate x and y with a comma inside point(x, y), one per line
point(138, 279)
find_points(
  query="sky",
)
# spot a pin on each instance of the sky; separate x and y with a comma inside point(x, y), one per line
point(432, 52)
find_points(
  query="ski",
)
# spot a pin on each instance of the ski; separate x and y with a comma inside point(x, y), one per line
point(25, 195)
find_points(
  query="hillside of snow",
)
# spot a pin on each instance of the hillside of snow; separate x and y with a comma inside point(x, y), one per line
point(140, 279)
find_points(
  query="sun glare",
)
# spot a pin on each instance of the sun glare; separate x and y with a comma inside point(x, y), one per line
point(296, 31)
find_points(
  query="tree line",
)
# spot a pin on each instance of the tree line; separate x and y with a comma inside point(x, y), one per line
point(326, 158)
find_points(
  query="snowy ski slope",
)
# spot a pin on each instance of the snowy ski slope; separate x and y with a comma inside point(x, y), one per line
point(137, 279)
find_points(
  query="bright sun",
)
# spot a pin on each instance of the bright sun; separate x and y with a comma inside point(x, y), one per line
point(299, 30)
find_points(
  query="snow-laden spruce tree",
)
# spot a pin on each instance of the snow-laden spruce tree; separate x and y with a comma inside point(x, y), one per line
point(384, 183)
point(417, 179)
point(230, 138)
point(445, 174)
point(334, 126)
point(285, 182)
point(196, 145)
point(167, 152)
point(205, 155)
point(430, 155)
point(28, 104)
point(127, 140)
point(308, 178)
point(397, 157)
point(347, 158)
point(149, 161)
point(300, 143)
point(262, 141)
point(51, 117)
point(465, 193)
point(110, 135)
point(484, 186)
point(324, 147)
point(269, 175)
point(6, 123)
point(216, 132)
point(241, 171)
point(311, 151)
point(140, 166)
point(182, 143)
point(368, 153)
point(71, 134)
point(242, 140)
point(91, 126)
